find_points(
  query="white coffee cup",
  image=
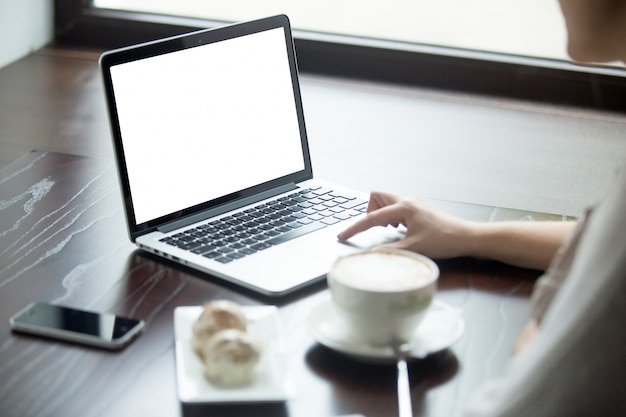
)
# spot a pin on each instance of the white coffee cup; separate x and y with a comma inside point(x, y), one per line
point(383, 294)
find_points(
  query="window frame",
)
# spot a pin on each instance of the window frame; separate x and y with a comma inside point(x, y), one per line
point(442, 68)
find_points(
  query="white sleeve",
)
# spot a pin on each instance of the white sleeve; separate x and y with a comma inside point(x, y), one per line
point(577, 365)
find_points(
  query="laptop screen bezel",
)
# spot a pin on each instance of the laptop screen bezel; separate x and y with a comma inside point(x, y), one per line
point(185, 41)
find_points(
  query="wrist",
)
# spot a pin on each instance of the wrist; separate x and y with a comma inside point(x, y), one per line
point(472, 239)
point(469, 239)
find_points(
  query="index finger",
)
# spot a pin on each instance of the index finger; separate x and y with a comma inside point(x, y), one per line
point(381, 217)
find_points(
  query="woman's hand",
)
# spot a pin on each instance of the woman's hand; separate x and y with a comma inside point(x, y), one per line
point(440, 235)
point(429, 231)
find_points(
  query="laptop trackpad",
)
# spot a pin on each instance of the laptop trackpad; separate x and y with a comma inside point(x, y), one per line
point(374, 237)
point(294, 263)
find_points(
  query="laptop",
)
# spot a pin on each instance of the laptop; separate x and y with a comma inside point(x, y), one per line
point(213, 160)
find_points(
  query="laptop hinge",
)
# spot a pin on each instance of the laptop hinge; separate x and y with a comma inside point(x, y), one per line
point(198, 217)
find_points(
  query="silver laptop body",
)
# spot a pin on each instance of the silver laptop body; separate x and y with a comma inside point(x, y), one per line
point(207, 126)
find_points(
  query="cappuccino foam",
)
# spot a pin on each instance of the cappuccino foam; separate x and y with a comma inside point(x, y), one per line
point(380, 271)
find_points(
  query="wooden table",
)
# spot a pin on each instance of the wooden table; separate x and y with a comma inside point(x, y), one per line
point(63, 240)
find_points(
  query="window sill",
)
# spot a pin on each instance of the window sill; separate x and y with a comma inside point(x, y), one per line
point(488, 74)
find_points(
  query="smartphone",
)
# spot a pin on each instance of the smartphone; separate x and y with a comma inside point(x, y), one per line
point(103, 330)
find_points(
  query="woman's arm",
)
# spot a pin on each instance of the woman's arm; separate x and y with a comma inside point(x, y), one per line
point(525, 244)
point(439, 235)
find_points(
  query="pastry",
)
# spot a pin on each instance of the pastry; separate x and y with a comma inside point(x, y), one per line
point(230, 358)
point(216, 316)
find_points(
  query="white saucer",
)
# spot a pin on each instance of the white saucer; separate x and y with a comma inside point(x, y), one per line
point(270, 383)
point(441, 328)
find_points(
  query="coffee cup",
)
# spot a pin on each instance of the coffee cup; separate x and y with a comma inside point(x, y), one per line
point(382, 295)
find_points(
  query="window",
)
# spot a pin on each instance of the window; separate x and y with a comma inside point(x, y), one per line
point(527, 28)
point(489, 47)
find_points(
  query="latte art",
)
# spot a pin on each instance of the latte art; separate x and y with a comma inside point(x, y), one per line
point(386, 272)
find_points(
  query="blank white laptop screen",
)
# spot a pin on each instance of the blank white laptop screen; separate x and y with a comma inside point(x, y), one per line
point(205, 122)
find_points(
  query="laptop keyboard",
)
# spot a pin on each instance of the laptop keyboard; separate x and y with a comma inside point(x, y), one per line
point(268, 224)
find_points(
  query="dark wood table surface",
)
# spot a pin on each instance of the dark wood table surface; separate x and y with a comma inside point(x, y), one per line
point(63, 240)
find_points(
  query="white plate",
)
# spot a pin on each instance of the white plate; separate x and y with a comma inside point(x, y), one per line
point(270, 383)
point(442, 326)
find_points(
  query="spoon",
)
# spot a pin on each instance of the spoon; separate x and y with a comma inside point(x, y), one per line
point(401, 351)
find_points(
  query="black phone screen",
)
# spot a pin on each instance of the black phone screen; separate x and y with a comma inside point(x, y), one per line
point(105, 326)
